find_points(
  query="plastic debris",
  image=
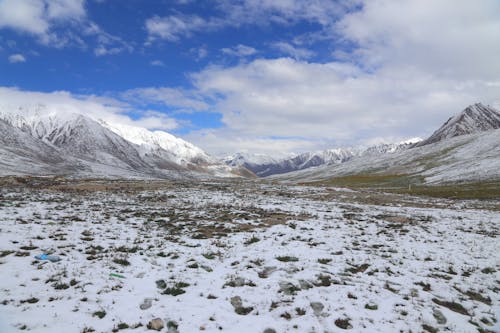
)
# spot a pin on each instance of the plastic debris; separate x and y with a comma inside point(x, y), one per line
point(117, 275)
point(48, 257)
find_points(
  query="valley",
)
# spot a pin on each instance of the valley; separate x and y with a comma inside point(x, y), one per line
point(247, 256)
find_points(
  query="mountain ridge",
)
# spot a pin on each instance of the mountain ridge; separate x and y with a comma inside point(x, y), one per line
point(473, 119)
point(89, 146)
point(264, 166)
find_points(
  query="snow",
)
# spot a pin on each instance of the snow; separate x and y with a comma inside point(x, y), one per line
point(77, 145)
point(179, 151)
point(451, 246)
point(265, 165)
point(466, 158)
point(473, 119)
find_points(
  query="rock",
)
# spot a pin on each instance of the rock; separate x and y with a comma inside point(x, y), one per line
point(267, 271)
point(288, 288)
point(304, 285)
point(343, 323)
point(238, 306)
point(269, 330)
point(172, 327)
point(317, 308)
point(239, 282)
point(161, 284)
point(156, 324)
point(440, 318)
point(146, 304)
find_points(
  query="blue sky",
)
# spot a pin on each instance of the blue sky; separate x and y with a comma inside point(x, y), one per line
point(258, 75)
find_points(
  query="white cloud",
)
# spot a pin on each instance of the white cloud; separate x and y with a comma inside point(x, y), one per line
point(221, 142)
point(173, 27)
point(239, 50)
point(293, 51)
point(262, 12)
point(157, 63)
point(238, 13)
point(58, 23)
point(15, 58)
point(96, 107)
point(334, 102)
point(102, 50)
point(172, 97)
point(199, 52)
point(66, 9)
point(24, 15)
point(414, 64)
point(452, 38)
point(37, 16)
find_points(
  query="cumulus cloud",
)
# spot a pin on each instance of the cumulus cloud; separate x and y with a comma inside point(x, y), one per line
point(336, 101)
point(37, 16)
point(409, 66)
point(456, 39)
point(96, 107)
point(58, 23)
point(15, 58)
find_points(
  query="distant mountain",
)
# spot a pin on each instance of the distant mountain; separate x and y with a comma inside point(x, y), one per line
point(54, 142)
point(263, 165)
point(465, 149)
point(466, 158)
point(473, 119)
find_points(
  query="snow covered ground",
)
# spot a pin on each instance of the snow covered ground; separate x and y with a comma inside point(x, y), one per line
point(244, 257)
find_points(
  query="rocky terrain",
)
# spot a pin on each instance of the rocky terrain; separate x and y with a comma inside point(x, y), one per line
point(232, 256)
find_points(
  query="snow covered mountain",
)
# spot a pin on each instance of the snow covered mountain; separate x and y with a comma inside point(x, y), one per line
point(475, 118)
point(263, 165)
point(465, 149)
point(161, 144)
point(466, 158)
point(91, 147)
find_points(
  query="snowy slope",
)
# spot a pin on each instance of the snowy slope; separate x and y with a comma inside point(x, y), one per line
point(473, 119)
point(264, 165)
point(466, 158)
point(161, 144)
point(20, 153)
point(110, 150)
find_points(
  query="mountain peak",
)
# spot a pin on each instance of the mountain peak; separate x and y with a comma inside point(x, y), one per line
point(474, 118)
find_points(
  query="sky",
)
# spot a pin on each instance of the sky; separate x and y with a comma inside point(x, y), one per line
point(256, 76)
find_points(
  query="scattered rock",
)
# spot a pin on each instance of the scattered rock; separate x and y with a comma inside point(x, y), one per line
point(371, 306)
point(288, 288)
point(269, 330)
point(161, 284)
point(156, 324)
point(266, 272)
point(172, 327)
point(238, 306)
point(146, 304)
point(440, 318)
point(343, 323)
point(317, 308)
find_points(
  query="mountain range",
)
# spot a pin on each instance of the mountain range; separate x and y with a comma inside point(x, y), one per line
point(263, 165)
point(38, 140)
point(466, 149)
point(473, 119)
